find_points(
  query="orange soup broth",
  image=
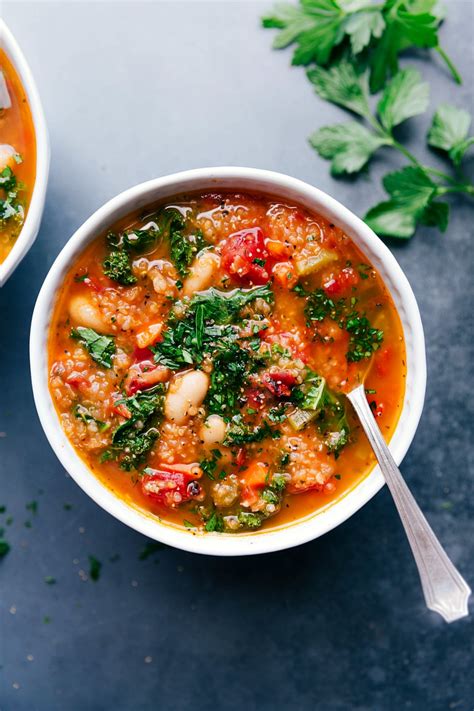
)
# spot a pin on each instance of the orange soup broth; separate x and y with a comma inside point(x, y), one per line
point(17, 130)
point(386, 373)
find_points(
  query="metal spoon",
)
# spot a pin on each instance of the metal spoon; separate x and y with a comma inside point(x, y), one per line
point(444, 588)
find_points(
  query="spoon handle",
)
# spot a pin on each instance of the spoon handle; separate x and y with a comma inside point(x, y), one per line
point(445, 590)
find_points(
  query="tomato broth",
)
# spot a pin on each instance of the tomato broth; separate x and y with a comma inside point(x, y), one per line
point(199, 355)
point(17, 156)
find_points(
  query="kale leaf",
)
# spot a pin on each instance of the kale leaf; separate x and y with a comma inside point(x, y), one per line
point(100, 348)
point(118, 268)
point(133, 439)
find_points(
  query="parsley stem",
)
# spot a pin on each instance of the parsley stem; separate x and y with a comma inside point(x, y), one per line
point(457, 77)
point(413, 159)
point(460, 188)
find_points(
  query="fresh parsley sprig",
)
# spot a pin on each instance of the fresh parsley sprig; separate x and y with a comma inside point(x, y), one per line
point(368, 56)
point(413, 190)
point(374, 32)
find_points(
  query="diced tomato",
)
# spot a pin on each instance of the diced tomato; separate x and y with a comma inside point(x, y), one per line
point(279, 382)
point(254, 478)
point(255, 398)
point(285, 275)
point(142, 354)
point(382, 361)
point(171, 486)
point(145, 374)
point(377, 408)
point(244, 256)
point(122, 410)
point(76, 380)
point(241, 457)
point(338, 283)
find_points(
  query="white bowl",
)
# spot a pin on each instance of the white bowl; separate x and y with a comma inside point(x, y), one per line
point(35, 210)
point(290, 190)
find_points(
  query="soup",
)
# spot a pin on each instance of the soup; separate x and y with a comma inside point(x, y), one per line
point(199, 354)
point(17, 156)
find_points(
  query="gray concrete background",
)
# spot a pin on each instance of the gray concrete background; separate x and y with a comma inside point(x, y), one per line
point(133, 91)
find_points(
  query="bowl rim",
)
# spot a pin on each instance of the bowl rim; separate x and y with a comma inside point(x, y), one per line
point(280, 186)
point(32, 222)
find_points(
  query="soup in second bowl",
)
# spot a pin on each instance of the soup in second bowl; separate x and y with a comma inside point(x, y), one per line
point(17, 156)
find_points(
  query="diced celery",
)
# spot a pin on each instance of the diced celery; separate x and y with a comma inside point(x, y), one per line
point(308, 265)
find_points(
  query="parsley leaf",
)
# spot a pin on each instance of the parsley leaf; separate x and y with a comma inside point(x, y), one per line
point(100, 348)
point(362, 27)
point(350, 146)
point(411, 192)
point(316, 26)
point(382, 31)
point(342, 84)
point(408, 24)
point(404, 96)
point(449, 131)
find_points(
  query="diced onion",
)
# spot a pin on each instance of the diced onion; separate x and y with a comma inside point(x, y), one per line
point(298, 419)
point(308, 265)
point(5, 101)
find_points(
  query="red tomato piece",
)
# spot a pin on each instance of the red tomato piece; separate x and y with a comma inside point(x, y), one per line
point(279, 382)
point(338, 283)
point(241, 457)
point(244, 256)
point(144, 375)
point(255, 398)
point(170, 486)
point(377, 408)
point(285, 275)
point(142, 354)
point(75, 380)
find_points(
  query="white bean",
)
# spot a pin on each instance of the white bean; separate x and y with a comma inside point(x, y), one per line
point(7, 154)
point(213, 430)
point(201, 273)
point(86, 313)
point(186, 393)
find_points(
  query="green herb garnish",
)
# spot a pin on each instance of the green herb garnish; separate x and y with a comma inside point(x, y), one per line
point(94, 568)
point(353, 50)
point(118, 268)
point(100, 348)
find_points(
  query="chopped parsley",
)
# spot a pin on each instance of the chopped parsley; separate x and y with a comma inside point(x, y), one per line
point(214, 523)
point(94, 568)
point(151, 547)
point(364, 339)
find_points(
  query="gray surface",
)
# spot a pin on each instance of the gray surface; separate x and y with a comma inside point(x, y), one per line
point(133, 91)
